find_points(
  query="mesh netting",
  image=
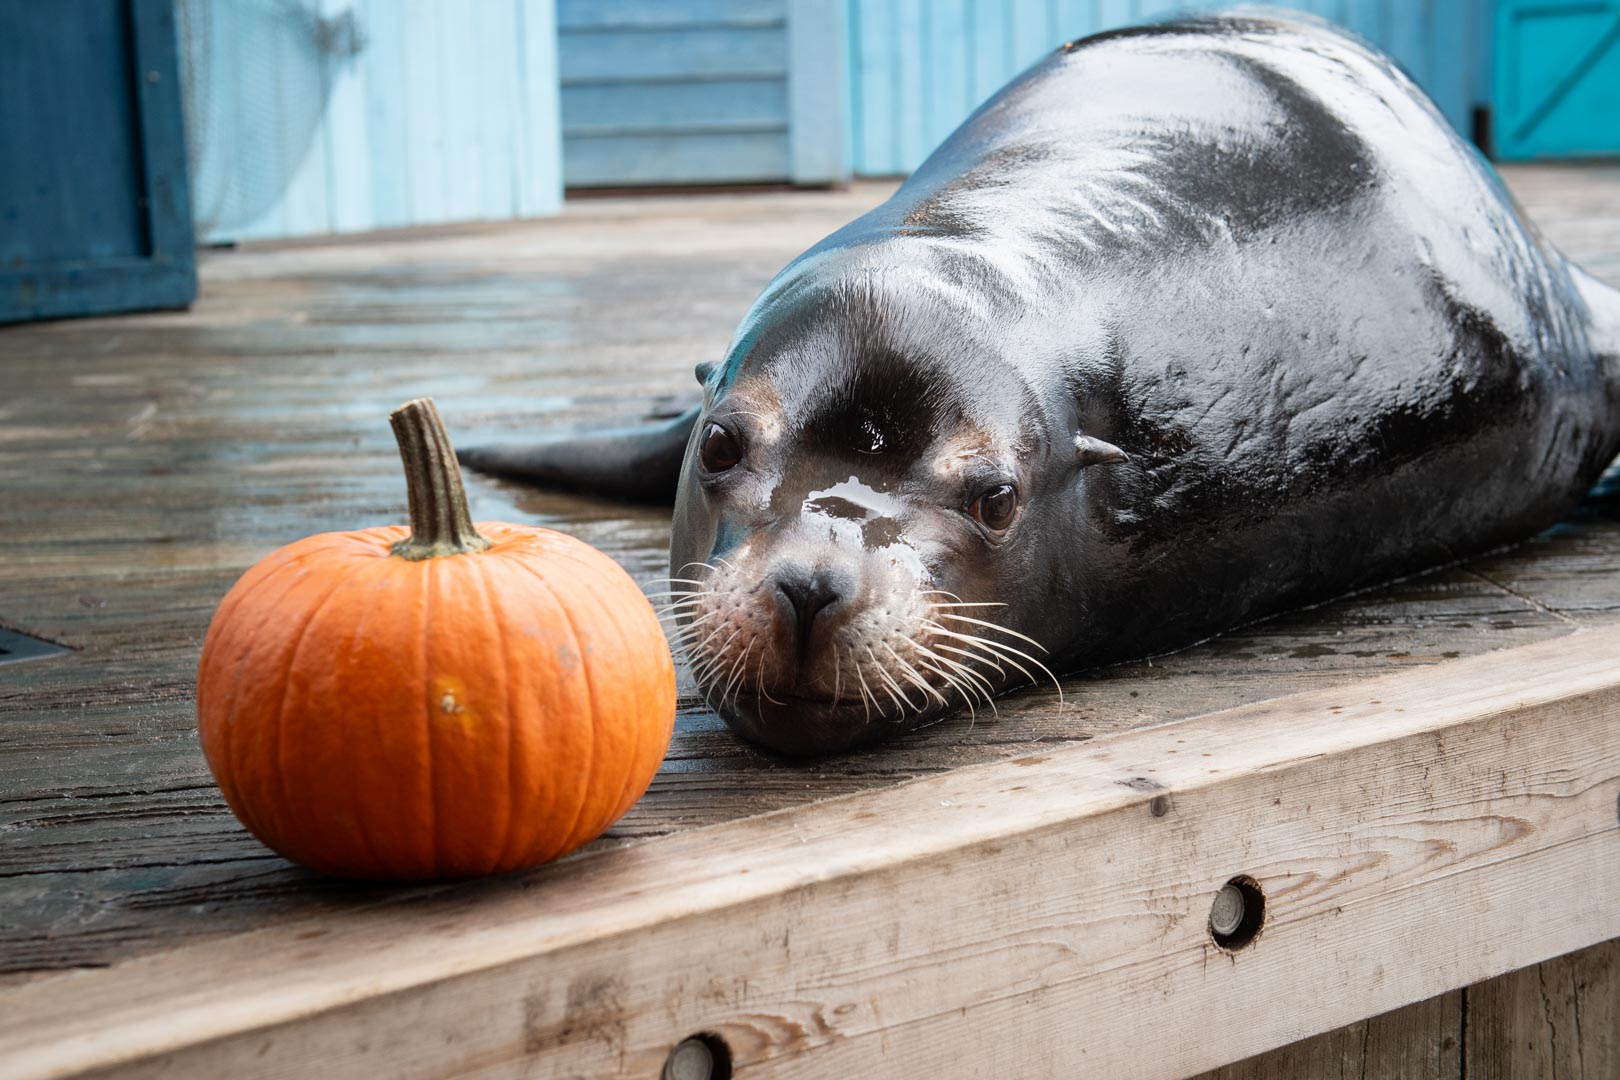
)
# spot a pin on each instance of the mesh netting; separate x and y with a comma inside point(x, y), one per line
point(257, 75)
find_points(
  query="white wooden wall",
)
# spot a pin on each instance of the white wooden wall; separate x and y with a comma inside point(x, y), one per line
point(449, 112)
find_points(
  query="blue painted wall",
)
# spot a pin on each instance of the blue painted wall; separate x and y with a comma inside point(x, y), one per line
point(918, 67)
point(702, 91)
point(329, 116)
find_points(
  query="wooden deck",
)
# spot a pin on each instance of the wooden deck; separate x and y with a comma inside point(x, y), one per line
point(147, 461)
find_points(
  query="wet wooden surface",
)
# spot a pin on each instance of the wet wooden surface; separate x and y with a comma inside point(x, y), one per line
point(147, 461)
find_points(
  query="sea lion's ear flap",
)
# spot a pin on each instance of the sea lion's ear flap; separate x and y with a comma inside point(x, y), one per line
point(704, 370)
point(1089, 451)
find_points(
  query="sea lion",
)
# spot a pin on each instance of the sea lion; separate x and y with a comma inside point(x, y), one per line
point(1191, 323)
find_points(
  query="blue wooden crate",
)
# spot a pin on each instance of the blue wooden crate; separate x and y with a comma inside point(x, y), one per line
point(1557, 86)
point(95, 213)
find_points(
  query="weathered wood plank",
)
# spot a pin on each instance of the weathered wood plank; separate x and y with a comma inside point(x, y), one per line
point(1416, 1042)
point(1559, 1019)
point(1060, 901)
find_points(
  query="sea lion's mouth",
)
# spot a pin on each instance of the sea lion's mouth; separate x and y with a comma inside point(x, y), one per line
point(814, 725)
point(822, 701)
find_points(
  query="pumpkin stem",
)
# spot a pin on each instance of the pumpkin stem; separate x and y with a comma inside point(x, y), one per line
point(440, 523)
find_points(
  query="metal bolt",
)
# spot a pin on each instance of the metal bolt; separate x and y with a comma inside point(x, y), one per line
point(1226, 915)
point(690, 1060)
point(154, 76)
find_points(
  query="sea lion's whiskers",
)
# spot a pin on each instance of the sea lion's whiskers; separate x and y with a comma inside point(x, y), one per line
point(838, 663)
point(979, 683)
point(702, 674)
point(983, 659)
point(682, 598)
point(995, 626)
point(675, 611)
point(706, 670)
point(759, 681)
point(1002, 649)
point(953, 677)
point(683, 636)
point(889, 685)
point(708, 664)
point(677, 581)
point(910, 673)
point(676, 628)
point(736, 672)
point(675, 608)
point(865, 692)
point(969, 699)
point(984, 644)
point(691, 628)
point(955, 601)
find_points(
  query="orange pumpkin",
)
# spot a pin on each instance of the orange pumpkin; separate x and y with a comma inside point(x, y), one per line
point(440, 701)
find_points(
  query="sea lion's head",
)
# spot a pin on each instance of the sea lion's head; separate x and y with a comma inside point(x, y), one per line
point(864, 527)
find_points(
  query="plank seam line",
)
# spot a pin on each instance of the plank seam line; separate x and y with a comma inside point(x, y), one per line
point(1529, 601)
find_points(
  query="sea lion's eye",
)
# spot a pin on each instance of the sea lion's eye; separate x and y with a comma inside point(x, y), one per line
point(996, 508)
point(719, 450)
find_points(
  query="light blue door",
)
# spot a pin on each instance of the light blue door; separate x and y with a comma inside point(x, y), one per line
point(1557, 87)
point(701, 91)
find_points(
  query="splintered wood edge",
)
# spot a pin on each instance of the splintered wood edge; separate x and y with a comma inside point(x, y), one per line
point(1411, 834)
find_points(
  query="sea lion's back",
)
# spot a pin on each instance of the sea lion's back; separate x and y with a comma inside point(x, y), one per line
point(1335, 350)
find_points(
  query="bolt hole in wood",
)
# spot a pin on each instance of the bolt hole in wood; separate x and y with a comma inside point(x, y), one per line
point(704, 1056)
point(16, 646)
point(1238, 913)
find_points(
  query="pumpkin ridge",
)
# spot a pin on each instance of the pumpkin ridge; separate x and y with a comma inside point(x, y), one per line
point(633, 760)
point(221, 618)
point(522, 833)
point(497, 612)
point(299, 637)
point(356, 636)
point(432, 801)
point(490, 604)
point(628, 795)
point(617, 809)
point(568, 843)
point(590, 560)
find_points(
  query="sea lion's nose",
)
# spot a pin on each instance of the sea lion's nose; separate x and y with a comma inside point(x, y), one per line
point(805, 594)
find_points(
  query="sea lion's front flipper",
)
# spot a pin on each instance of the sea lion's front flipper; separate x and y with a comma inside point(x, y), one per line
point(641, 462)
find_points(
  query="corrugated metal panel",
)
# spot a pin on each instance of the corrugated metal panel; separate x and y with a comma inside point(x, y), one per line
point(1557, 90)
point(701, 91)
point(446, 113)
point(918, 68)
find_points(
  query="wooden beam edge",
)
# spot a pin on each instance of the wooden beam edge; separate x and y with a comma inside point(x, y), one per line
point(273, 980)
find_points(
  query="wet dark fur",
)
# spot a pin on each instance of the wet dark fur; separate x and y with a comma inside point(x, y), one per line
point(1246, 250)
